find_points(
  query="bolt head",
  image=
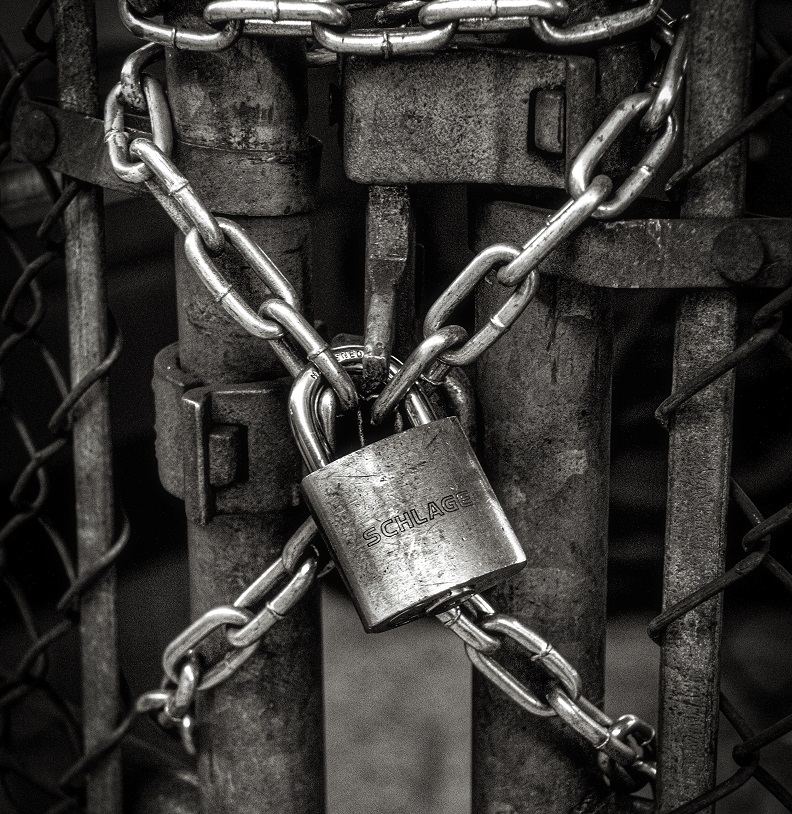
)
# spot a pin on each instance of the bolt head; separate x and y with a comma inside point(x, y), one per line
point(738, 253)
point(34, 136)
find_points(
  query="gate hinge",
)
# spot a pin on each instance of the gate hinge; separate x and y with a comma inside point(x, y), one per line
point(221, 447)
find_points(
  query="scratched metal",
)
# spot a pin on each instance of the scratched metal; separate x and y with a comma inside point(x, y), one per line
point(261, 743)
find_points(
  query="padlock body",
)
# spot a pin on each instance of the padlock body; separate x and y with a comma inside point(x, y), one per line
point(412, 523)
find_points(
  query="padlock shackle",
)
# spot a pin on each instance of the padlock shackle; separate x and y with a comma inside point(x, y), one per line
point(307, 389)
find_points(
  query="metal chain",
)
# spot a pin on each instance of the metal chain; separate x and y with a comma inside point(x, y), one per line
point(626, 745)
point(186, 672)
point(625, 742)
point(329, 23)
point(278, 319)
point(515, 267)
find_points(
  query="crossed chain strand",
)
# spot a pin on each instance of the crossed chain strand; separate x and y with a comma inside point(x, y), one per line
point(625, 742)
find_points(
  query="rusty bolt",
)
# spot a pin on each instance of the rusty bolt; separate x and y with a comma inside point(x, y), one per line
point(34, 136)
point(738, 252)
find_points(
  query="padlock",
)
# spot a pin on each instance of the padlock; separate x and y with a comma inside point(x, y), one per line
point(411, 521)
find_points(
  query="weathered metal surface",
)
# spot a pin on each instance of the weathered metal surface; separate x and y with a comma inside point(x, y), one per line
point(255, 467)
point(74, 144)
point(405, 122)
point(170, 383)
point(390, 281)
point(75, 31)
point(260, 743)
point(221, 448)
point(653, 253)
point(700, 439)
point(545, 401)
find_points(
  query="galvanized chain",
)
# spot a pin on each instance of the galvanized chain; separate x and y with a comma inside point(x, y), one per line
point(278, 319)
point(245, 622)
point(207, 236)
point(514, 266)
point(329, 23)
point(626, 745)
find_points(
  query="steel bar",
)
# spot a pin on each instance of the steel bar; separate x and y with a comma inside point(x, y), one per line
point(546, 450)
point(88, 338)
point(700, 435)
point(390, 282)
point(654, 252)
point(260, 733)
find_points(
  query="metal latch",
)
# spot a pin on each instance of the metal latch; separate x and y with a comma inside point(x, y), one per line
point(217, 445)
point(469, 116)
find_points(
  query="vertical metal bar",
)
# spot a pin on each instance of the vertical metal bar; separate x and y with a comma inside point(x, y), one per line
point(260, 733)
point(545, 400)
point(700, 438)
point(88, 337)
point(389, 302)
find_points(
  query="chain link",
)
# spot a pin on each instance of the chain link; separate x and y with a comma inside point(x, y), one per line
point(329, 24)
point(627, 742)
point(276, 591)
point(515, 267)
point(278, 319)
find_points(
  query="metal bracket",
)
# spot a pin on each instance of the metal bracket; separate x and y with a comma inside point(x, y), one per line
point(216, 444)
point(486, 116)
point(652, 252)
point(73, 144)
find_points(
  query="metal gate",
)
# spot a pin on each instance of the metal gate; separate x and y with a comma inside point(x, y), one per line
point(502, 98)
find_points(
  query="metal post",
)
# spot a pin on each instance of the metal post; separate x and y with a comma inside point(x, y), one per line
point(545, 401)
point(88, 336)
point(260, 739)
point(700, 440)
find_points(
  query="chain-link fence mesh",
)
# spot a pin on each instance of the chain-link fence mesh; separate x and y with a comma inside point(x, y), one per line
point(28, 693)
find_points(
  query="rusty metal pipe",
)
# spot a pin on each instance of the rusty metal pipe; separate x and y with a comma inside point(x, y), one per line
point(260, 739)
point(546, 432)
point(83, 221)
point(700, 437)
point(545, 401)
